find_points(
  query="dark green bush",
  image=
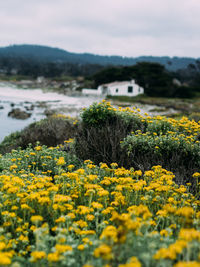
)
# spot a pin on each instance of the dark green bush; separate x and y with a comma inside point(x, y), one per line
point(10, 142)
point(103, 127)
point(51, 131)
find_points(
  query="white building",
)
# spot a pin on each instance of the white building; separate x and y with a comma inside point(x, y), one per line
point(40, 79)
point(127, 88)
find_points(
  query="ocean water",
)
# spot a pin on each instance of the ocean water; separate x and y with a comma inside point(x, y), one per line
point(12, 97)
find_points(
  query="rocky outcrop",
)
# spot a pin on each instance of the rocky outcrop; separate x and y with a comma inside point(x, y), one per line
point(49, 112)
point(19, 114)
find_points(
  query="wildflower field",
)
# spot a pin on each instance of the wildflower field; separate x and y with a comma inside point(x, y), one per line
point(57, 209)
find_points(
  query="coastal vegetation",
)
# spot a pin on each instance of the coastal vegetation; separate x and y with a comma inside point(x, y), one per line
point(121, 189)
point(107, 134)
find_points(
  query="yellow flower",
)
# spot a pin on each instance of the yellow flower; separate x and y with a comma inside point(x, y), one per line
point(189, 234)
point(36, 218)
point(185, 211)
point(138, 173)
point(173, 226)
point(164, 232)
point(81, 223)
point(81, 247)
point(70, 140)
point(114, 165)
point(133, 262)
point(12, 167)
point(62, 248)
point(97, 205)
point(90, 217)
point(60, 220)
point(62, 240)
point(165, 253)
point(60, 161)
point(187, 264)
point(196, 175)
point(23, 238)
point(2, 245)
point(110, 233)
point(38, 148)
point(53, 257)
point(37, 255)
point(83, 210)
point(103, 251)
point(103, 193)
point(4, 259)
point(25, 207)
point(107, 210)
point(71, 215)
point(92, 177)
point(70, 167)
point(104, 166)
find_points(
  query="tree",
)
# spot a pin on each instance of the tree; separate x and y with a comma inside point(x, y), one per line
point(153, 77)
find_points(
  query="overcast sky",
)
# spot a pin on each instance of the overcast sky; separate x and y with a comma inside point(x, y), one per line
point(106, 27)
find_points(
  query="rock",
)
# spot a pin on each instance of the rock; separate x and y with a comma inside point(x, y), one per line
point(41, 104)
point(29, 108)
point(19, 114)
point(1, 107)
point(49, 112)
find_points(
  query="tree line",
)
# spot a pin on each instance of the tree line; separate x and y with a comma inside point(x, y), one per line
point(33, 68)
point(155, 79)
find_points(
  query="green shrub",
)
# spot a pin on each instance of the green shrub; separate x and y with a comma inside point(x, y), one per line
point(176, 152)
point(170, 143)
point(98, 114)
point(160, 126)
point(38, 160)
point(194, 116)
point(103, 127)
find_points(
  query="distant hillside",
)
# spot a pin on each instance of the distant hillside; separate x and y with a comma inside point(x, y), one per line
point(56, 55)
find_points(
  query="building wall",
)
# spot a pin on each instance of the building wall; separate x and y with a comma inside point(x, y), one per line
point(123, 89)
point(116, 89)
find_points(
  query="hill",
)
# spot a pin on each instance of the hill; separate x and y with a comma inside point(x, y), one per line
point(49, 54)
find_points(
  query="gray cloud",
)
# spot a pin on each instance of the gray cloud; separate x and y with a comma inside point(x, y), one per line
point(123, 27)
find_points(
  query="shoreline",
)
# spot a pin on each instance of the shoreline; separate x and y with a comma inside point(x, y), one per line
point(47, 85)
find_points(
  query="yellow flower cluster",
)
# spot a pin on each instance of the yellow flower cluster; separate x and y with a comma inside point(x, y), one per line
point(101, 212)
